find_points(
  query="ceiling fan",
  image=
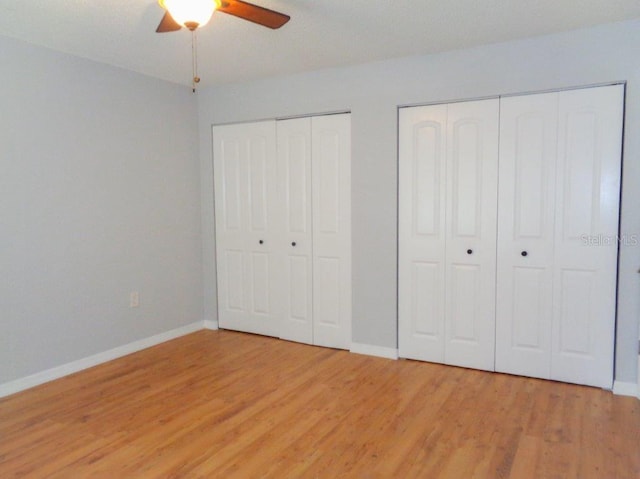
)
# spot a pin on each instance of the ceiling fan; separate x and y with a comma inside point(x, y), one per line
point(193, 14)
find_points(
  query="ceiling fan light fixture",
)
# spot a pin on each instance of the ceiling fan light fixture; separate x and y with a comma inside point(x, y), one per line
point(190, 13)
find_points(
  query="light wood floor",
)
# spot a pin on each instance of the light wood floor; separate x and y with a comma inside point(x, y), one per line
point(231, 405)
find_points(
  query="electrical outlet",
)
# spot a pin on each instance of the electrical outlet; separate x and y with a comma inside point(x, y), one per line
point(134, 299)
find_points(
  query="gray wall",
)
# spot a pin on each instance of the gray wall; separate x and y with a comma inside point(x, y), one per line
point(99, 196)
point(372, 92)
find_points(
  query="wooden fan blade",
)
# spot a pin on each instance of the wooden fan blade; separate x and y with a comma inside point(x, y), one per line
point(168, 24)
point(253, 13)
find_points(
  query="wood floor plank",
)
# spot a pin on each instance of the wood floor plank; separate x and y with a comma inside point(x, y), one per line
point(220, 404)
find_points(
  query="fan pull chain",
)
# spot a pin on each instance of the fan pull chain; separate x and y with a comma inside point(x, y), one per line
point(194, 59)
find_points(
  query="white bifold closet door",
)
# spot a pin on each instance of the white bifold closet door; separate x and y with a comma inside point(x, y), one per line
point(448, 162)
point(314, 185)
point(248, 228)
point(560, 168)
point(294, 167)
point(331, 197)
point(307, 240)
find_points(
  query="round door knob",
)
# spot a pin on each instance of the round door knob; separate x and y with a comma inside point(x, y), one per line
point(293, 243)
point(524, 253)
point(469, 251)
point(261, 241)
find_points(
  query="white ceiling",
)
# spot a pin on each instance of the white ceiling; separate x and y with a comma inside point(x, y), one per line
point(321, 33)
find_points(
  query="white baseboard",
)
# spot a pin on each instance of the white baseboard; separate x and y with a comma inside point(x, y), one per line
point(42, 377)
point(210, 324)
point(626, 389)
point(370, 350)
point(619, 387)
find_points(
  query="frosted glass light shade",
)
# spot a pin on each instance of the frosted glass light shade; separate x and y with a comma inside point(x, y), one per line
point(190, 11)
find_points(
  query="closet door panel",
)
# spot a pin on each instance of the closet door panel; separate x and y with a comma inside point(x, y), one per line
point(472, 160)
point(422, 232)
point(298, 320)
point(463, 317)
point(260, 158)
point(261, 283)
point(528, 144)
point(426, 297)
point(294, 175)
point(327, 299)
point(246, 207)
point(331, 186)
point(587, 201)
point(234, 281)
point(229, 173)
